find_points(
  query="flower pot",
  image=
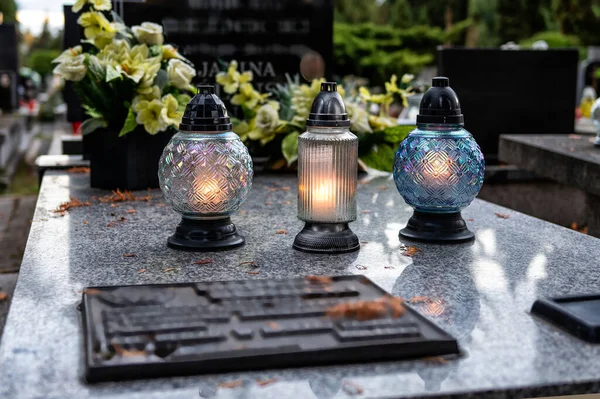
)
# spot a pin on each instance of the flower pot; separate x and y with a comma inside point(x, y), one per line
point(127, 163)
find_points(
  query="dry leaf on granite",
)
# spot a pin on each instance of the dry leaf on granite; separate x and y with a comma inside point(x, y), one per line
point(86, 222)
point(253, 272)
point(203, 261)
point(435, 359)
point(352, 388)
point(123, 196)
point(264, 383)
point(366, 211)
point(111, 224)
point(383, 187)
point(231, 384)
point(419, 299)
point(143, 271)
point(130, 255)
point(324, 280)
point(73, 203)
point(3, 296)
point(268, 203)
point(131, 211)
point(171, 269)
point(411, 251)
point(78, 169)
point(273, 325)
point(287, 202)
point(368, 310)
point(502, 215)
point(249, 263)
point(281, 232)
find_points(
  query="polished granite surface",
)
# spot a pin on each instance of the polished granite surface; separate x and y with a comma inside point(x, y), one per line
point(482, 292)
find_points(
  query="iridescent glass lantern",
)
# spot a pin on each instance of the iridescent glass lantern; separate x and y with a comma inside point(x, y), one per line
point(439, 169)
point(205, 174)
point(327, 177)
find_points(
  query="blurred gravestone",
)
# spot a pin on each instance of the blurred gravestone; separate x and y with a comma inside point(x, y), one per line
point(9, 63)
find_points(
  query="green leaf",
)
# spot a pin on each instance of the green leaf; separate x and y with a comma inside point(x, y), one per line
point(112, 73)
point(89, 125)
point(289, 147)
point(92, 112)
point(396, 134)
point(248, 113)
point(130, 123)
point(161, 79)
point(381, 157)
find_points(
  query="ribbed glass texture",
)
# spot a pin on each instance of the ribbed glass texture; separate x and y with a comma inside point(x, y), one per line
point(439, 169)
point(205, 174)
point(327, 175)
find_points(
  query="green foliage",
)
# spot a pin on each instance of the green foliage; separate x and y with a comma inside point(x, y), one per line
point(555, 40)
point(355, 11)
point(41, 61)
point(8, 8)
point(289, 147)
point(380, 51)
point(130, 123)
point(90, 125)
point(380, 157)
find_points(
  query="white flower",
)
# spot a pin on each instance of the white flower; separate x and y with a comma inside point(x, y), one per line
point(68, 54)
point(72, 69)
point(149, 33)
point(359, 118)
point(407, 78)
point(267, 116)
point(180, 74)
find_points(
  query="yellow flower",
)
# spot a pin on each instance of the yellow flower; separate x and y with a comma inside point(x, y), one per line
point(232, 79)
point(149, 115)
point(170, 114)
point(136, 65)
point(149, 33)
point(100, 5)
point(115, 52)
point(248, 97)
point(147, 83)
point(407, 78)
point(152, 94)
point(392, 86)
point(180, 74)
point(359, 118)
point(302, 98)
point(68, 54)
point(96, 28)
point(375, 98)
point(72, 69)
point(381, 122)
point(169, 52)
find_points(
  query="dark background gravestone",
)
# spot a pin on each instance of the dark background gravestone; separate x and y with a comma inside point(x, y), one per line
point(9, 64)
point(512, 92)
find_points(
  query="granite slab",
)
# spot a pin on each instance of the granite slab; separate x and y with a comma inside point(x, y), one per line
point(481, 293)
point(567, 158)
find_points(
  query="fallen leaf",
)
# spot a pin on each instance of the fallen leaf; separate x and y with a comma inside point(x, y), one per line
point(161, 204)
point(86, 222)
point(130, 255)
point(352, 388)
point(123, 196)
point(281, 232)
point(72, 203)
point(131, 211)
point(576, 227)
point(287, 202)
point(268, 203)
point(383, 187)
point(78, 169)
point(319, 279)
point(502, 215)
point(115, 205)
point(435, 359)
point(419, 299)
point(111, 224)
point(273, 325)
point(286, 188)
point(253, 272)
point(231, 384)
point(411, 251)
point(249, 263)
point(143, 271)
point(264, 383)
point(470, 220)
point(171, 269)
point(366, 211)
point(203, 261)
point(119, 350)
point(3, 296)
point(368, 310)
point(91, 291)
point(361, 267)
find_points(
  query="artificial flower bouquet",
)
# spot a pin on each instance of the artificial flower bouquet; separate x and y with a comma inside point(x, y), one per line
point(275, 120)
point(126, 77)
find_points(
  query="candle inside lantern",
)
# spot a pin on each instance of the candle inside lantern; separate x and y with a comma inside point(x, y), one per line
point(207, 193)
point(438, 172)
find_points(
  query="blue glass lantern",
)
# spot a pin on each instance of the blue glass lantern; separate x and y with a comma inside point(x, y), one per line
point(439, 169)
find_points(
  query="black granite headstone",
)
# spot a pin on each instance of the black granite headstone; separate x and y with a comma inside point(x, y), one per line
point(9, 64)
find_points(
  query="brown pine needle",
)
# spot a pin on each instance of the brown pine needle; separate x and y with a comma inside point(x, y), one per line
point(253, 272)
point(419, 299)
point(264, 383)
point(72, 203)
point(368, 310)
point(281, 232)
point(131, 211)
point(143, 271)
point(123, 196)
point(91, 291)
point(502, 215)
point(78, 169)
point(130, 255)
point(249, 263)
point(231, 384)
point(203, 262)
point(171, 269)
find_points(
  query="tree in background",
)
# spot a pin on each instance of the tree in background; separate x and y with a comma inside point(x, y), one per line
point(355, 11)
point(578, 18)
point(8, 8)
point(44, 48)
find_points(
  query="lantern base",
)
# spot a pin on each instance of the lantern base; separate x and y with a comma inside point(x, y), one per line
point(443, 228)
point(205, 235)
point(326, 238)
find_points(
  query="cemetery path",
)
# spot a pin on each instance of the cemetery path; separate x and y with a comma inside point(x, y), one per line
point(16, 213)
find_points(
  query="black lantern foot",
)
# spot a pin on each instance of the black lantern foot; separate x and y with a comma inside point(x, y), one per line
point(326, 238)
point(443, 228)
point(205, 235)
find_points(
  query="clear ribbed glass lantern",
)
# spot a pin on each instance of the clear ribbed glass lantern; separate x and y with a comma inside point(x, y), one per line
point(439, 168)
point(327, 177)
point(205, 174)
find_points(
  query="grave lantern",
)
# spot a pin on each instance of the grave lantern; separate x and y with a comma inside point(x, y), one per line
point(327, 177)
point(205, 173)
point(438, 169)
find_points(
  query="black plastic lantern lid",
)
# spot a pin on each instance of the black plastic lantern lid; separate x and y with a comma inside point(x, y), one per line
point(440, 104)
point(328, 109)
point(205, 112)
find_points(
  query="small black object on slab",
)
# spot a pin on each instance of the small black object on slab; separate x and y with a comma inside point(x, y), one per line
point(441, 228)
point(158, 330)
point(578, 315)
point(205, 235)
point(326, 238)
